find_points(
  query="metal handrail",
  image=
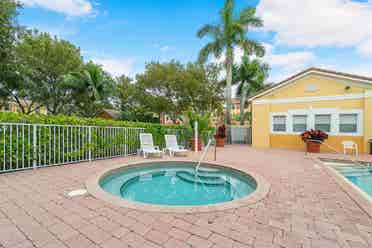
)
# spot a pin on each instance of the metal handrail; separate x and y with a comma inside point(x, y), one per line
point(337, 152)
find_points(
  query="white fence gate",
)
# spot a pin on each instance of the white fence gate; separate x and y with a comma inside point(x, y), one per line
point(240, 135)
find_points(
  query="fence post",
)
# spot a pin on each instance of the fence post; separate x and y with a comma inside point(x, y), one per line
point(196, 140)
point(90, 143)
point(34, 144)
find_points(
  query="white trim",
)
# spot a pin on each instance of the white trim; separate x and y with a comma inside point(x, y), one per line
point(311, 112)
point(334, 75)
point(314, 99)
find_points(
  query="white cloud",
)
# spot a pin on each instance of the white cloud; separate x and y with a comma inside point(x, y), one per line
point(67, 7)
point(365, 48)
point(290, 60)
point(116, 67)
point(313, 23)
point(164, 48)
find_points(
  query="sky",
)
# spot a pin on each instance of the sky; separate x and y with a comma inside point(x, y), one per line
point(122, 35)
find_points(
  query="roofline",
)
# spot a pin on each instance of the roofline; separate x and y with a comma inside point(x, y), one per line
point(353, 77)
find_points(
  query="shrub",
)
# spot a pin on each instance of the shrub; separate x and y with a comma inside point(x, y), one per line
point(314, 135)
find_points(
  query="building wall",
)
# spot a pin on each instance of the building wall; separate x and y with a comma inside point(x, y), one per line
point(367, 120)
point(307, 95)
point(13, 107)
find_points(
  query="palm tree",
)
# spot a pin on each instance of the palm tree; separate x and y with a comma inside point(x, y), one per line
point(90, 89)
point(229, 34)
point(250, 77)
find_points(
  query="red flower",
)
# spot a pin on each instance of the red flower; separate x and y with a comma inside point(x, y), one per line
point(314, 135)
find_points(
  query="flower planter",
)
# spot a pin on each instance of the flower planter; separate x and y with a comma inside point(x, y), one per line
point(192, 144)
point(313, 147)
point(220, 142)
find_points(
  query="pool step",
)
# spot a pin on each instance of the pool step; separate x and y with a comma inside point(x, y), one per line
point(207, 169)
point(207, 180)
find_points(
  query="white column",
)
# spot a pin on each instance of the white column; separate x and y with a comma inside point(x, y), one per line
point(196, 140)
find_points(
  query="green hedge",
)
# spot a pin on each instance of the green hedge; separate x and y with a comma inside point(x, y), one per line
point(74, 120)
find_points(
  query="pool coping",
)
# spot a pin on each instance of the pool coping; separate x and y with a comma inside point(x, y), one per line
point(361, 198)
point(93, 188)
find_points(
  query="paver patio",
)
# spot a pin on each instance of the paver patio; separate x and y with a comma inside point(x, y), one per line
point(305, 208)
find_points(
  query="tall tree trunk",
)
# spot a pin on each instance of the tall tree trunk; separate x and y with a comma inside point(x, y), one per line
point(229, 63)
point(243, 98)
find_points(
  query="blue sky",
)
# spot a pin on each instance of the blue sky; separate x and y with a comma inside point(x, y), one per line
point(123, 35)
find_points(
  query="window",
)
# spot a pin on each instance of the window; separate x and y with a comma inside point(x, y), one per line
point(299, 123)
point(279, 123)
point(348, 123)
point(323, 122)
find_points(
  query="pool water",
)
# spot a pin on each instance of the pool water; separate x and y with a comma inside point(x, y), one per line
point(178, 185)
point(360, 176)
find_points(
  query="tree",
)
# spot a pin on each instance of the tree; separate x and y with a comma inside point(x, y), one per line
point(12, 86)
point(174, 88)
point(228, 35)
point(91, 89)
point(44, 62)
point(201, 88)
point(250, 77)
point(130, 102)
point(160, 85)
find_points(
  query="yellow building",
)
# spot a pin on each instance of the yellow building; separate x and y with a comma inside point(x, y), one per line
point(11, 106)
point(338, 103)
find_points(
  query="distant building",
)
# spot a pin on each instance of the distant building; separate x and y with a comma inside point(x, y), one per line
point(165, 119)
point(109, 114)
point(11, 106)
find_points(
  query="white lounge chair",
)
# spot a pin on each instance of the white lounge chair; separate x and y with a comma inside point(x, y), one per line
point(172, 146)
point(350, 145)
point(147, 146)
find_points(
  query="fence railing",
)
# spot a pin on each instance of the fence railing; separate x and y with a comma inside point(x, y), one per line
point(27, 146)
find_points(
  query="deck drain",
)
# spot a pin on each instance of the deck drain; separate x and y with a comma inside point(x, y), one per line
point(78, 192)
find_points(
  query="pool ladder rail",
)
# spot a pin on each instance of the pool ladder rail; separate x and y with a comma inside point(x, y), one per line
point(355, 161)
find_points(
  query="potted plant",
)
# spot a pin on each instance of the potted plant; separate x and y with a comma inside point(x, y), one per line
point(203, 125)
point(220, 136)
point(313, 139)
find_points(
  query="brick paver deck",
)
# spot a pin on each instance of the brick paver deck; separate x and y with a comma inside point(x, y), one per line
point(305, 208)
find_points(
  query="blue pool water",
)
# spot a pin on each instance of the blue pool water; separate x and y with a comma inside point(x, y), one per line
point(360, 176)
point(177, 185)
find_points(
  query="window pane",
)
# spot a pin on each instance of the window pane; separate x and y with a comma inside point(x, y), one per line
point(348, 123)
point(323, 122)
point(299, 123)
point(279, 123)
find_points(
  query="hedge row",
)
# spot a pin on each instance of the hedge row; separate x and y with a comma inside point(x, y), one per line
point(78, 121)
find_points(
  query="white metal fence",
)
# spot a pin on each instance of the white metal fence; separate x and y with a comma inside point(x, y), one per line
point(240, 135)
point(27, 146)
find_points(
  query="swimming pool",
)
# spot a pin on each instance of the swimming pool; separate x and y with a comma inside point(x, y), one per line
point(178, 184)
point(361, 176)
point(169, 186)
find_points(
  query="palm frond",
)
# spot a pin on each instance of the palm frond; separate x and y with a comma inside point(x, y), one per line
point(214, 48)
point(248, 18)
point(209, 29)
point(252, 47)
